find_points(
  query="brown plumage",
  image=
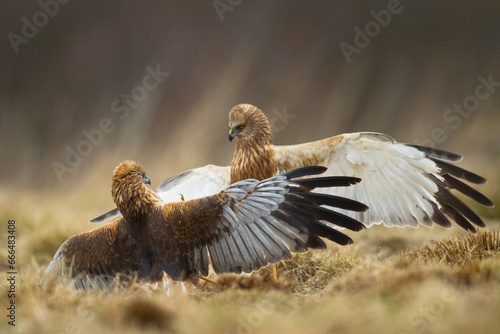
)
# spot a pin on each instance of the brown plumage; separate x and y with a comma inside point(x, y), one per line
point(242, 228)
point(404, 185)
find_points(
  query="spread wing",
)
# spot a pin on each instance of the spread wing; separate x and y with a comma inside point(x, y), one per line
point(191, 184)
point(250, 224)
point(404, 185)
point(93, 259)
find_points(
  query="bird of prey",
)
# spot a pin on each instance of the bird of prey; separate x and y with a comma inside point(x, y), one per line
point(240, 229)
point(403, 184)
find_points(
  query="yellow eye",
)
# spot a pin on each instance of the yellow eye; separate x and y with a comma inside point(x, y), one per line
point(241, 126)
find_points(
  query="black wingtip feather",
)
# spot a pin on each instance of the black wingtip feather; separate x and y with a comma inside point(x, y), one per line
point(289, 215)
point(298, 194)
point(446, 198)
point(337, 202)
point(305, 171)
point(333, 217)
point(311, 224)
point(458, 218)
point(439, 218)
point(328, 181)
point(467, 190)
point(436, 153)
point(447, 168)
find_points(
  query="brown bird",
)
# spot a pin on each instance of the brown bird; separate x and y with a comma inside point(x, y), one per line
point(403, 184)
point(240, 229)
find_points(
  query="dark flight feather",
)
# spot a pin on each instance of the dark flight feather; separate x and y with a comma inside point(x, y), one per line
point(437, 153)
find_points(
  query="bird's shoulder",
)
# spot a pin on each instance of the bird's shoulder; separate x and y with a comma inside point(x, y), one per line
point(288, 157)
point(322, 152)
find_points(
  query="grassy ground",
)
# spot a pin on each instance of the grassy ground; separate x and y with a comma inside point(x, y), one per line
point(390, 281)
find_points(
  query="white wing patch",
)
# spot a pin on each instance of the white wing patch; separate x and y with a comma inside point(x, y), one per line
point(393, 184)
point(195, 183)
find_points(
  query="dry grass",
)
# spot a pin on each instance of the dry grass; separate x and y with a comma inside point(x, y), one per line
point(460, 249)
point(390, 281)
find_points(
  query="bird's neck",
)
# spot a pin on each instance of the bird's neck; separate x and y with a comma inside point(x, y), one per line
point(136, 202)
point(253, 159)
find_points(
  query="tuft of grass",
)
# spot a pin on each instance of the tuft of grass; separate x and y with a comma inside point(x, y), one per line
point(463, 260)
point(310, 272)
point(460, 249)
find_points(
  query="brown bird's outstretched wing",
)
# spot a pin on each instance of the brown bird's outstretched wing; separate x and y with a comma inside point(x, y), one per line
point(250, 224)
point(404, 185)
point(93, 259)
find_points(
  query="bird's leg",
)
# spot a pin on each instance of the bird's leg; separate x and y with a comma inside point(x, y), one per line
point(166, 282)
point(275, 273)
point(208, 280)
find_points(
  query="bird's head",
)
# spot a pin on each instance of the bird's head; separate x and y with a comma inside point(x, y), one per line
point(248, 122)
point(130, 172)
point(129, 186)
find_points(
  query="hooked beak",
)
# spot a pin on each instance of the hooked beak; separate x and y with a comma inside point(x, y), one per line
point(232, 134)
point(146, 180)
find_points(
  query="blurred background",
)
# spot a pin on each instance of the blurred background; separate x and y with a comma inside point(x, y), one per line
point(154, 81)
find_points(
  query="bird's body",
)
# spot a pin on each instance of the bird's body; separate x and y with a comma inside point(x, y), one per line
point(240, 229)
